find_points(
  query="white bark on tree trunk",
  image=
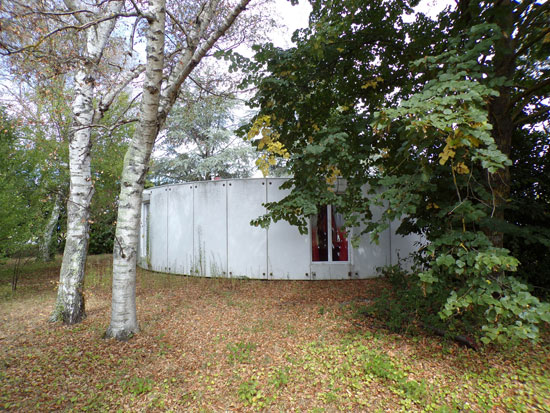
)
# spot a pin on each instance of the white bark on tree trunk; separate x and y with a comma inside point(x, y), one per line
point(69, 306)
point(46, 241)
point(124, 322)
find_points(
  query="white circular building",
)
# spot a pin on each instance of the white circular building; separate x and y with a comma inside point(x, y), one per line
point(203, 229)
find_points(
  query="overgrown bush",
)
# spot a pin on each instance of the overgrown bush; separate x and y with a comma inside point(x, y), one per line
point(402, 306)
point(499, 310)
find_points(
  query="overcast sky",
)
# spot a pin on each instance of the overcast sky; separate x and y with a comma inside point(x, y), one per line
point(296, 17)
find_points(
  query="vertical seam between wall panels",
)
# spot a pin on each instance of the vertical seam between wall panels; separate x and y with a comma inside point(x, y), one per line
point(391, 252)
point(329, 234)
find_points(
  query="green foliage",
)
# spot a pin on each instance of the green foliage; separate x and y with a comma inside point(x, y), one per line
point(420, 114)
point(107, 160)
point(456, 133)
point(280, 377)
point(240, 352)
point(138, 385)
point(251, 395)
point(511, 313)
point(381, 366)
point(41, 165)
point(199, 143)
point(21, 219)
point(529, 239)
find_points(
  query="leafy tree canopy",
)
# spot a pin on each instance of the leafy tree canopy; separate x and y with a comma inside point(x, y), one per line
point(199, 143)
point(19, 199)
point(435, 117)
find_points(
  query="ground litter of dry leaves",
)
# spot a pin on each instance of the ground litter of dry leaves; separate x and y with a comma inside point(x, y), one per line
point(218, 345)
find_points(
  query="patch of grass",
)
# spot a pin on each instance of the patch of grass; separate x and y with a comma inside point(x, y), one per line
point(290, 330)
point(240, 352)
point(250, 394)
point(382, 367)
point(280, 377)
point(137, 385)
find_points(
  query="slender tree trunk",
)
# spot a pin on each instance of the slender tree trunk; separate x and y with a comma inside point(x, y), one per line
point(46, 241)
point(124, 322)
point(69, 306)
point(155, 106)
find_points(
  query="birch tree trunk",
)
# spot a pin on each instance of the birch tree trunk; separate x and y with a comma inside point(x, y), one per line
point(157, 102)
point(124, 322)
point(46, 241)
point(69, 306)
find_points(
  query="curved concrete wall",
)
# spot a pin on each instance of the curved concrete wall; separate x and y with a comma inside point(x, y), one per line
point(203, 229)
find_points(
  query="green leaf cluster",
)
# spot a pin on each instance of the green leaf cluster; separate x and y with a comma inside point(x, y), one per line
point(418, 118)
point(20, 201)
point(200, 143)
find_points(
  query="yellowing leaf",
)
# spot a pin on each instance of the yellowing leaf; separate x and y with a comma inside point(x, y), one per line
point(462, 168)
point(372, 83)
point(475, 142)
point(448, 152)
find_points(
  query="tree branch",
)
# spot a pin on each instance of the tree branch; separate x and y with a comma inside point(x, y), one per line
point(529, 118)
point(529, 92)
point(170, 93)
point(75, 5)
point(177, 23)
point(532, 41)
point(108, 99)
point(64, 28)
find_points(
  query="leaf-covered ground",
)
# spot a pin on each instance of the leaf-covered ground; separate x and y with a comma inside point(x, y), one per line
point(240, 345)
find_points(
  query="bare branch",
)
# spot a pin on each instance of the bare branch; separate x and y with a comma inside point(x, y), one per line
point(65, 28)
point(189, 61)
point(52, 13)
point(108, 99)
point(132, 36)
point(75, 5)
point(210, 91)
point(530, 92)
point(136, 8)
point(532, 41)
point(177, 23)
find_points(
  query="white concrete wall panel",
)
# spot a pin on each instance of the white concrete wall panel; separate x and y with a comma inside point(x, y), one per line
point(203, 228)
point(158, 229)
point(180, 229)
point(289, 252)
point(247, 245)
point(403, 246)
point(210, 230)
point(371, 255)
point(143, 235)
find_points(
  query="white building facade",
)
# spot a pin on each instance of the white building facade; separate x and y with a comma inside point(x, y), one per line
point(203, 229)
